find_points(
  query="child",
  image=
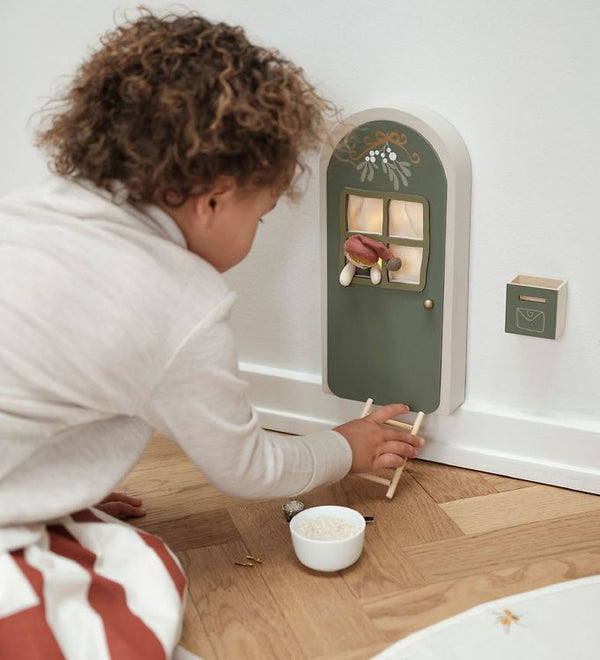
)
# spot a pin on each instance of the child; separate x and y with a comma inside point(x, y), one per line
point(172, 142)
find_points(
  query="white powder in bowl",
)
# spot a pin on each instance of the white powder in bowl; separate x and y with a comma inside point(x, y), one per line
point(327, 528)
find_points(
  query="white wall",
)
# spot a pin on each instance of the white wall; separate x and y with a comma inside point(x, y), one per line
point(519, 80)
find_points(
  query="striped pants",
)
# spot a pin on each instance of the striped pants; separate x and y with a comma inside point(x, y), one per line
point(91, 588)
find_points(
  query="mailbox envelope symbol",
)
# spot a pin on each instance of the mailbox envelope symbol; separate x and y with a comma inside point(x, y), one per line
point(531, 320)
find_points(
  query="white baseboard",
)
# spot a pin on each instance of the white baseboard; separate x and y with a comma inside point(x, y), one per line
point(475, 436)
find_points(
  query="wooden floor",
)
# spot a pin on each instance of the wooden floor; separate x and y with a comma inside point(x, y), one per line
point(450, 539)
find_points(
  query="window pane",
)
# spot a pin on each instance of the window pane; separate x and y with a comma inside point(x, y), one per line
point(406, 219)
point(365, 214)
point(410, 272)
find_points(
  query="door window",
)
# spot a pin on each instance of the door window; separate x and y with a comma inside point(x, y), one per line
point(401, 222)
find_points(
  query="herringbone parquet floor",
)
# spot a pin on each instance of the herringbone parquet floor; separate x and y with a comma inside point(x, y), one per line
point(450, 539)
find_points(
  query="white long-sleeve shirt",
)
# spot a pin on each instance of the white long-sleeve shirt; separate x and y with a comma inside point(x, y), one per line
point(109, 328)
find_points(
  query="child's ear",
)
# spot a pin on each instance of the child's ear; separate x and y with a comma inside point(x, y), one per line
point(204, 210)
point(208, 205)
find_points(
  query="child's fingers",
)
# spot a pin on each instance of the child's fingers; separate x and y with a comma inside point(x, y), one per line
point(388, 412)
point(400, 449)
point(399, 436)
point(120, 505)
point(122, 497)
point(121, 510)
point(129, 511)
point(388, 461)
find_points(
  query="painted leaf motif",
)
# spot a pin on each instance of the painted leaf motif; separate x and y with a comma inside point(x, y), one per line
point(405, 167)
point(397, 171)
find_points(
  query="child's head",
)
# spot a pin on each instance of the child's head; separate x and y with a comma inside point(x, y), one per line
point(168, 105)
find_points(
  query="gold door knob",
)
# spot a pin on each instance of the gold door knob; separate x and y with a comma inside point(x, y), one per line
point(428, 303)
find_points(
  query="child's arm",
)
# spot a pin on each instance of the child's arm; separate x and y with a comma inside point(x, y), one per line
point(374, 446)
point(201, 403)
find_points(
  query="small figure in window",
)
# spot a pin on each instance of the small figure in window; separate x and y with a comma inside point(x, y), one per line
point(364, 252)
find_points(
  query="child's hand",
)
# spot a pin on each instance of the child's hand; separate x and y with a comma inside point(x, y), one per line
point(120, 505)
point(375, 446)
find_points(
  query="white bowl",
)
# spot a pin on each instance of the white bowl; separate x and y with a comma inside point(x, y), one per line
point(328, 555)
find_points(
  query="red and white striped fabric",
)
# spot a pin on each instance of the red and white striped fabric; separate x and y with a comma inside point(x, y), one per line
point(91, 588)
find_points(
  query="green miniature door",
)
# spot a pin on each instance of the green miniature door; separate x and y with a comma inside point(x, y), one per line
point(385, 181)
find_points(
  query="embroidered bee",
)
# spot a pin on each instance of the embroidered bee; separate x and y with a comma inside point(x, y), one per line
point(506, 618)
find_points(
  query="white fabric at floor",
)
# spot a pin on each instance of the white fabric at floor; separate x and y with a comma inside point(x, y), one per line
point(184, 654)
point(553, 623)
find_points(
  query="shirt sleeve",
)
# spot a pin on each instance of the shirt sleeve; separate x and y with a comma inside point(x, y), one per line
point(201, 402)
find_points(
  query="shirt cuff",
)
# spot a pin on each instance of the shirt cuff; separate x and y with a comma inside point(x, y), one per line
point(332, 458)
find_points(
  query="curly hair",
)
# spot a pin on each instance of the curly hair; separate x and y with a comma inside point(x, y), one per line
point(168, 104)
